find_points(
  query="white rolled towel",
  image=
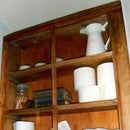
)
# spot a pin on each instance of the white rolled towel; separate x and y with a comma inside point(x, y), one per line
point(89, 93)
point(105, 73)
point(84, 76)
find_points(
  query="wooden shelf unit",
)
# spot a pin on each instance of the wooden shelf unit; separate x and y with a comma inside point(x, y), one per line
point(61, 38)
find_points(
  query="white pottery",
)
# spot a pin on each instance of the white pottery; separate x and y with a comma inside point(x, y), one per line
point(95, 43)
point(40, 64)
point(23, 67)
point(58, 59)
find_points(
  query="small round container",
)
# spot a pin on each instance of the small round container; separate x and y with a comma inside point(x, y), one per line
point(23, 67)
point(40, 64)
point(58, 59)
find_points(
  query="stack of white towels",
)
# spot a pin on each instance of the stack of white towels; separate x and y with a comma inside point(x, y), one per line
point(94, 86)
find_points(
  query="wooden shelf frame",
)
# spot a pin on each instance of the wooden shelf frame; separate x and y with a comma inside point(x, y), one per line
point(78, 107)
point(92, 60)
point(119, 56)
point(32, 72)
point(89, 106)
point(29, 111)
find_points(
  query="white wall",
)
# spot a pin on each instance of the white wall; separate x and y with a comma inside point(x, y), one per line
point(126, 15)
point(21, 14)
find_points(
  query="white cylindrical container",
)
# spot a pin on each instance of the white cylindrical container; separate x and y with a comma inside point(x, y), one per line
point(101, 129)
point(108, 90)
point(24, 125)
point(105, 73)
point(58, 59)
point(89, 93)
point(84, 76)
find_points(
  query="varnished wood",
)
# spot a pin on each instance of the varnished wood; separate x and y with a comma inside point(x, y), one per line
point(30, 111)
point(41, 122)
point(40, 52)
point(102, 119)
point(61, 38)
point(89, 106)
point(54, 97)
point(121, 60)
point(25, 75)
point(32, 40)
point(93, 61)
point(3, 83)
point(14, 57)
point(54, 121)
point(95, 106)
point(54, 80)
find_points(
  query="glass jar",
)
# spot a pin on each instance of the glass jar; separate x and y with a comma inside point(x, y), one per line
point(21, 96)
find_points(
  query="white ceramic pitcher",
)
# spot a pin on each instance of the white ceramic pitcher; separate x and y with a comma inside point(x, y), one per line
point(95, 43)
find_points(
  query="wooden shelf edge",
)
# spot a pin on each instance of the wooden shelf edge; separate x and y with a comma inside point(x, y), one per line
point(29, 111)
point(21, 73)
point(88, 106)
point(87, 60)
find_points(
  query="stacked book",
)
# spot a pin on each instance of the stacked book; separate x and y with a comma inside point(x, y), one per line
point(44, 97)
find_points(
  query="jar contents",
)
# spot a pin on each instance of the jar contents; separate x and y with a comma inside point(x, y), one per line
point(21, 96)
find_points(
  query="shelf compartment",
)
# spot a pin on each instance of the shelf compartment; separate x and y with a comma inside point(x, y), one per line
point(70, 38)
point(92, 60)
point(91, 119)
point(28, 74)
point(89, 106)
point(30, 111)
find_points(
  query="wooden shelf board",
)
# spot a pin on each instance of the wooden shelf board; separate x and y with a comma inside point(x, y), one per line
point(92, 60)
point(89, 106)
point(29, 73)
point(29, 111)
